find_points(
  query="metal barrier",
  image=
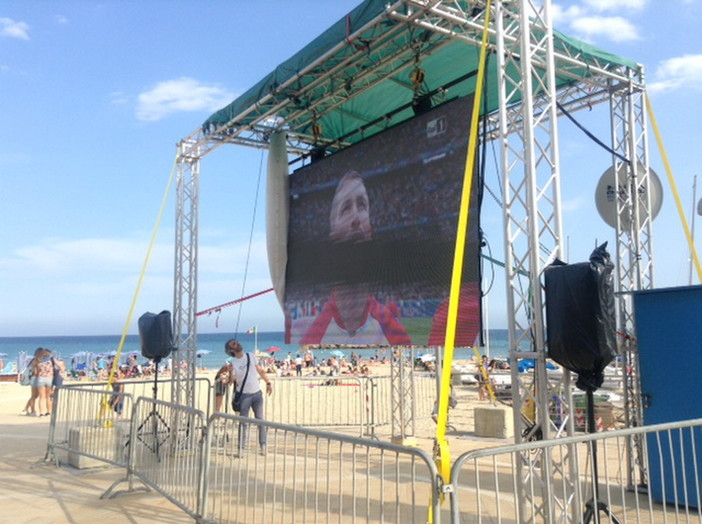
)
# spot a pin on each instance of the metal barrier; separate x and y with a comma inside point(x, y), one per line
point(308, 475)
point(166, 451)
point(360, 402)
point(319, 401)
point(485, 485)
point(213, 470)
point(89, 427)
point(204, 391)
point(381, 398)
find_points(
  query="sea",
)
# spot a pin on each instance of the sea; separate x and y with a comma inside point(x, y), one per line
point(211, 346)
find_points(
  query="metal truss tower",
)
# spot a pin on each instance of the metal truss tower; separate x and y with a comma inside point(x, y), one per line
point(403, 398)
point(522, 42)
point(634, 247)
point(185, 285)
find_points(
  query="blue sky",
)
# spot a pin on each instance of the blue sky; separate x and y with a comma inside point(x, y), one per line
point(95, 96)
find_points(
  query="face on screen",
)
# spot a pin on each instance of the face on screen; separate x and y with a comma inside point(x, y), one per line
point(350, 220)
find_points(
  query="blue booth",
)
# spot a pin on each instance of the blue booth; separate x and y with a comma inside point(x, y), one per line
point(669, 333)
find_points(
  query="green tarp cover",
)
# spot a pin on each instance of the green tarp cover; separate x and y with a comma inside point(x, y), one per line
point(446, 63)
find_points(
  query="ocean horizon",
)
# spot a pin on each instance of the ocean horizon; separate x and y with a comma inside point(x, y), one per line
point(211, 346)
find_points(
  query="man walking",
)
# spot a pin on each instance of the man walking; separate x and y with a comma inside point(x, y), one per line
point(251, 395)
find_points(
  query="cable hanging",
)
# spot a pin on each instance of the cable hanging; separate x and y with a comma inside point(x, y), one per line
point(248, 251)
point(591, 136)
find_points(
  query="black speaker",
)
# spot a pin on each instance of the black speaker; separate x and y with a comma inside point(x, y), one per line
point(580, 317)
point(156, 335)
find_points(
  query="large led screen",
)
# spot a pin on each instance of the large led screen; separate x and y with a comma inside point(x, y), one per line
point(372, 236)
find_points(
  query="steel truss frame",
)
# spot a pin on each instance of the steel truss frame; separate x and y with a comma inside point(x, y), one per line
point(525, 124)
point(634, 249)
point(185, 275)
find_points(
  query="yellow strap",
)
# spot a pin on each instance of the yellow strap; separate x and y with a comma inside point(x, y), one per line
point(120, 347)
point(673, 187)
point(444, 456)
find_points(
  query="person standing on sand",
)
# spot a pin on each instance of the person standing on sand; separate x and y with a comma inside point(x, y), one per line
point(298, 365)
point(222, 380)
point(248, 384)
point(30, 406)
point(43, 378)
point(117, 401)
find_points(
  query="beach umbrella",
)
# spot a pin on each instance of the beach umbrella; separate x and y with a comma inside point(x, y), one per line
point(3, 354)
point(427, 357)
point(273, 348)
point(201, 352)
point(336, 353)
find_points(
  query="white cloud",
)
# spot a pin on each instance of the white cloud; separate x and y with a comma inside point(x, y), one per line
point(614, 28)
point(562, 16)
point(90, 282)
point(13, 29)
point(60, 19)
point(181, 95)
point(57, 257)
point(679, 72)
point(118, 98)
point(615, 5)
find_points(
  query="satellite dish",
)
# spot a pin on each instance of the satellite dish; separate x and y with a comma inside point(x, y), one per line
point(606, 196)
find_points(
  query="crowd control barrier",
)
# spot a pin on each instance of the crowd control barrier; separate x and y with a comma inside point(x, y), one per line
point(166, 452)
point(305, 475)
point(89, 427)
point(144, 387)
point(215, 470)
point(559, 482)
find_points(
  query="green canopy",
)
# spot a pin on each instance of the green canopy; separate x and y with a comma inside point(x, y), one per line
point(371, 70)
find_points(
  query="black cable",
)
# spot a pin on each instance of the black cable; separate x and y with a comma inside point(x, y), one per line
point(248, 251)
point(591, 136)
point(480, 186)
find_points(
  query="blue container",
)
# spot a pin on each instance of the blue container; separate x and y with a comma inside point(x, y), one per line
point(669, 333)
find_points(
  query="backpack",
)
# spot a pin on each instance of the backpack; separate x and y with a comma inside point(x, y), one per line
point(25, 377)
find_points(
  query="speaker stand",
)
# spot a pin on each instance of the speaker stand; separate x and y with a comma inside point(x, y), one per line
point(155, 417)
point(594, 506)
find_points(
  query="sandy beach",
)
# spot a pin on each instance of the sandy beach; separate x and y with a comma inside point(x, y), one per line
point(32, 490)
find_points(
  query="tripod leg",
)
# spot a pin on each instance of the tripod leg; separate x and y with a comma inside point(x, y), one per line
point(605, 508)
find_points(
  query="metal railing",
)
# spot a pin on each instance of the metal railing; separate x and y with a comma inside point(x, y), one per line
point(318, 401)
point(166, 451)
point(89, 427)
point(345, 402)
point(212, 469)
point(144, 387)
point(309, 475)
point(485, 487)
